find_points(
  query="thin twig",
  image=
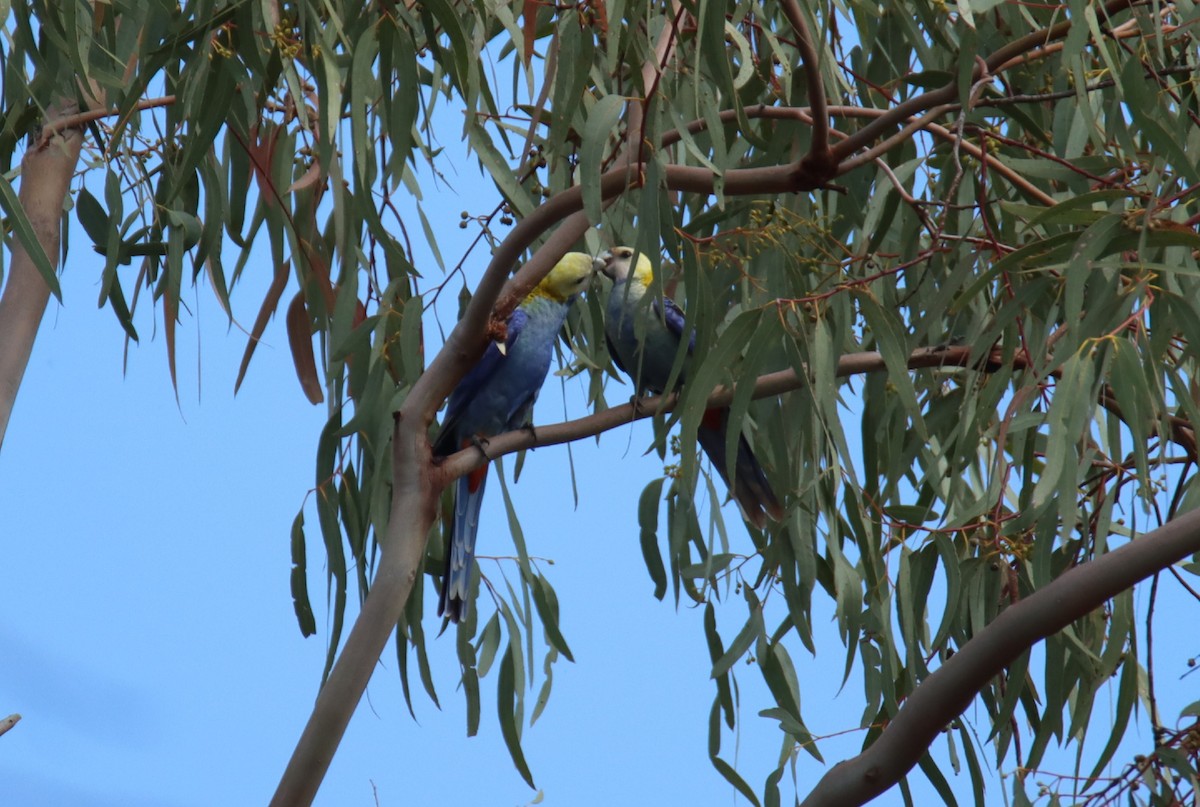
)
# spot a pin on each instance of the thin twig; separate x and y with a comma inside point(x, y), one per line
point(79, 119)
point(1155, 725)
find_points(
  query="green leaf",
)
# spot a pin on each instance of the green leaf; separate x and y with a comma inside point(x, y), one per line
point(27, 237)
point(752, 630)
point(716, 651)
point(300, 602)
point(935, 777)
point(648, 505)
point(499, 169)
point(1064, 420)
point(470, 683)
point(450, 19)
point(1127, 693)
point(489, 643)
point(92, 216)
point(507, 695)
point(731, 776)
point(598, 132)
point(892, 345)
point(543, 696)
point(547, 608)
point(707, 377)
point(327, 516)
point(362, 88)
point(1079, 209)
point(419, 644)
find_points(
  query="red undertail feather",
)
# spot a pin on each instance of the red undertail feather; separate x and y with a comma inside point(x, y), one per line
point(714, 419)
point(476, 477)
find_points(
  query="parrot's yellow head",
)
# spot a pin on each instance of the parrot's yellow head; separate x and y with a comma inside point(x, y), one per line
point(618, 264)
point(569, 277)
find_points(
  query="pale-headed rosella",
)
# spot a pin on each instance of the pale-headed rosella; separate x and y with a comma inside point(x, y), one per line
point(496, 396)
point(644, 337)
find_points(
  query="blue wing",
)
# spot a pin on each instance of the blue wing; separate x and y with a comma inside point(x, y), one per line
point(449, 440)
point(673, 318)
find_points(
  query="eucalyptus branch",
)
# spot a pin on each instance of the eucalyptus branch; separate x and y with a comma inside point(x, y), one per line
point(45, 178)
point(415, 489)
point(7, 723)
point(417, 482)
point(79, 119)
point(996, 165)
point(765, 386)
point(949, 93)
point(413, 512)
point(818, 154)
point(1030, 42)
point(910, 128)
point(950, 689)
point(805, 115)
point(1096, 86)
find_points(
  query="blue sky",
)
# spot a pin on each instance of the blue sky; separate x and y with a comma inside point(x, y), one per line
point(157, 659)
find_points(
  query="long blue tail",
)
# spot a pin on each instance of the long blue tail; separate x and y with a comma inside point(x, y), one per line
point(750, 489)
point(460, 557)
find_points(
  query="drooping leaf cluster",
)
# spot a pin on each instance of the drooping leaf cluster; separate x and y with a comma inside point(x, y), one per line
point(1011, 186)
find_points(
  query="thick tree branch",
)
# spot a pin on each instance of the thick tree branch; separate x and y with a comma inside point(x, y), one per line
point(946, 693)
point(79, 119)
point(805, 115)
point(412, 514)
point(45, 176)
point(1012, 50)
point(416, 487)
point(819, 160)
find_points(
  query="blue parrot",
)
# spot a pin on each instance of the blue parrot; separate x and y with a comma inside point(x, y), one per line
point(497, 396)
point(644, 338)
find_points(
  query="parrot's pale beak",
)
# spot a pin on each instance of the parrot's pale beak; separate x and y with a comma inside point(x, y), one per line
point(601, 263)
